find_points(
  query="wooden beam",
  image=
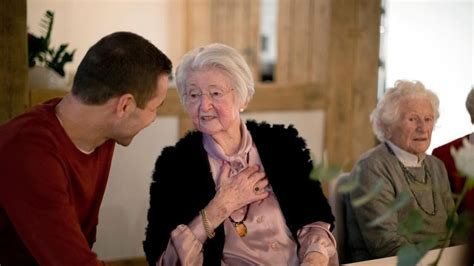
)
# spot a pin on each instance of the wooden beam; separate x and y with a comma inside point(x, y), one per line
point(352, 84)
point(14, 63)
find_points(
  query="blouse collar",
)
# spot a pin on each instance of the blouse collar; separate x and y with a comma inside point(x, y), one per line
point(407, 159)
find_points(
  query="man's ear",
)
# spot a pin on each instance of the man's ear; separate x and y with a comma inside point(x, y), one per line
point(125, 105)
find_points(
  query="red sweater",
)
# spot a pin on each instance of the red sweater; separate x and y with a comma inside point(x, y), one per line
point(457, 182)
point(50, 192)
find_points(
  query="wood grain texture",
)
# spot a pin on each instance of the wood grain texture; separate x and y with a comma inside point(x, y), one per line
point(352, 84)
point(14, 62)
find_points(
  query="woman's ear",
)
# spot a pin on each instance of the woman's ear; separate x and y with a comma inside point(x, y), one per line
point(243, 106)
point(388, 132)
point(125, 105)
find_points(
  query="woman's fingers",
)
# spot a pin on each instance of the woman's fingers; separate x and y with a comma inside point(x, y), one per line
point(248, 186)
point(261, 185)
point(249, 171)
point(225, 169)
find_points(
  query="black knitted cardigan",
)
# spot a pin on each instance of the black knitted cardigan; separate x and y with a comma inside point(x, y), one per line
point(183, 184)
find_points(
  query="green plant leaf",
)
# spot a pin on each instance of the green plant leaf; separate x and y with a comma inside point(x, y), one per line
point(398, 203)
point(410, 255)
point(348, 186)
point(39, 50)
point(465, 222)
point(46, 25)
point(322, 171)
point(411, 224)
point(369, 195)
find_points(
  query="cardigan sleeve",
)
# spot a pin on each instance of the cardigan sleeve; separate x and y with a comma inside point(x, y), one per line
point(383, 239)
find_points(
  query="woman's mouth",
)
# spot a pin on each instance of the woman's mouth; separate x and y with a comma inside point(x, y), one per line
point(207, 117)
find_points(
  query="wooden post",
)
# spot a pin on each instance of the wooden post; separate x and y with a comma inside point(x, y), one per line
point(352, 82)
point(13, 63)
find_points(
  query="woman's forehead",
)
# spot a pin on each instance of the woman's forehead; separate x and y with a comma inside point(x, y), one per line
point(211, 76)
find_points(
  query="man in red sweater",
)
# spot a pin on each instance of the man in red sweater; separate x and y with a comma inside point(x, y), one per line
point(55, 158)
point(444, 153)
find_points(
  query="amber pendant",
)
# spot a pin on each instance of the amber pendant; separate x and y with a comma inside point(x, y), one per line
point(240, 228)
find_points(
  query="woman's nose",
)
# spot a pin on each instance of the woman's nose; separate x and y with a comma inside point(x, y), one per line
point(422, 126)
point(206, 102)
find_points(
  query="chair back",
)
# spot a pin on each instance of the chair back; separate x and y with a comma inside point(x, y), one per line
point(336, 201)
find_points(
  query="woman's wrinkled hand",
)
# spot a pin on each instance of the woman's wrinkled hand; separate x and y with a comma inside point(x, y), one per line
point(234, 192)
point(244, 188)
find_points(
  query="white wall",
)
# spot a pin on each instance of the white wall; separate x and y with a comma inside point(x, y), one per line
point(81, 23)
point(123, 214)
point(432, 41)
point(310, 125)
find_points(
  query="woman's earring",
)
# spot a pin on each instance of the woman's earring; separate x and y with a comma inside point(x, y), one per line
point(241, 110)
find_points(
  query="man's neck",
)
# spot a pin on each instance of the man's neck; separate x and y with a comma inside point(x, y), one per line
point(82, 123)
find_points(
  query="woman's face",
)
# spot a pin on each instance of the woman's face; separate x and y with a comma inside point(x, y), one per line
point(211, 103)
point(412, 131)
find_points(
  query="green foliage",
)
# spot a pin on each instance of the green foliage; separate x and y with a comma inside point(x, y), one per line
point(412, 223)
point(411, 254)
point(401, 200)
point(322, 171)
point(369, 195)
point(39, 51)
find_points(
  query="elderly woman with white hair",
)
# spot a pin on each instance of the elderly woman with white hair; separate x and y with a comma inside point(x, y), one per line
point(230, 192)
point(403, 121)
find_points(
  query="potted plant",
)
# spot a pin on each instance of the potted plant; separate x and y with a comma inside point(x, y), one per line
point(47, 63)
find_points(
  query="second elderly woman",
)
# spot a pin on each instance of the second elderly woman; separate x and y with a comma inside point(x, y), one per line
point(234, 193)
point(403, 121)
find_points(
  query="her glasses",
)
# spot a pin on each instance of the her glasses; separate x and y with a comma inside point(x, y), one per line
point(215, 94)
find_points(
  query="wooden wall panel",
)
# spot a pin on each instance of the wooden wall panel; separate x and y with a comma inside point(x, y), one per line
point(13, 63)
point(300, 41)
point(303, 38)
point(365, 78)
point(284, 28)
point(352, 85)
point(319, 41)
point(198, 23)
point(232, 22)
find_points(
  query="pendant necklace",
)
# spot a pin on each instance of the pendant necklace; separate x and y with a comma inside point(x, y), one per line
point(240, 226)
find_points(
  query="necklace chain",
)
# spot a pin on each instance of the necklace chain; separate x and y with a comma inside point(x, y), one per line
point(409, 176)
point(240, 226)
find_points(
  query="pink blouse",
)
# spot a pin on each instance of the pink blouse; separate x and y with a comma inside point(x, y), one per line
point(268, 240)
